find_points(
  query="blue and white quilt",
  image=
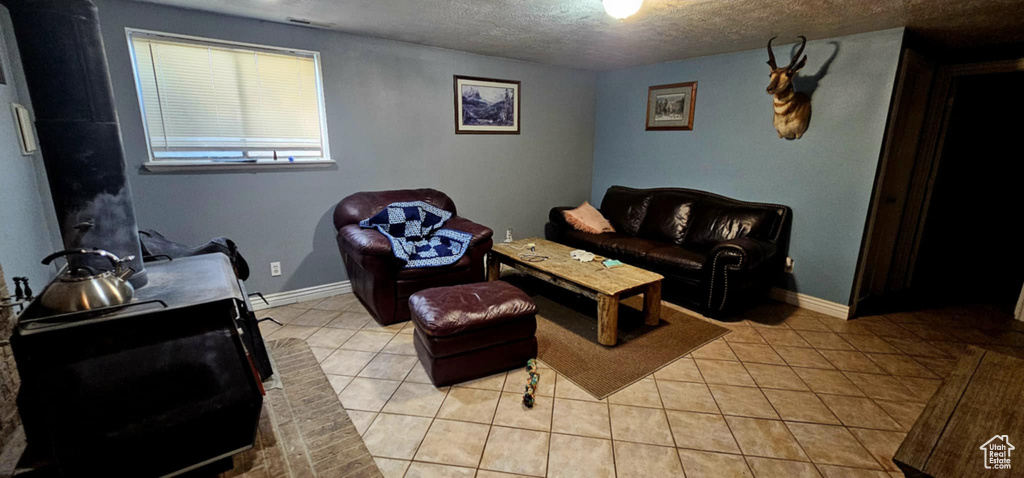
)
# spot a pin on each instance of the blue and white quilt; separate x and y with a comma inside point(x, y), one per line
point(414, 229)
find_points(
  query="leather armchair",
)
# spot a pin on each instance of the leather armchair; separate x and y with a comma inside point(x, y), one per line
point(378, 279)
point(715, 252)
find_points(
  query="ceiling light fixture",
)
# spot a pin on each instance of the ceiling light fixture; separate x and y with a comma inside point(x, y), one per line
point(622, 8)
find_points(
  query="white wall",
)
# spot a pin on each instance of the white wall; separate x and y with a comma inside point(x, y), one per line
point(28, 225)
point(390, 118)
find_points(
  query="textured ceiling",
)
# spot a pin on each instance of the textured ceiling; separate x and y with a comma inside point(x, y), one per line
point(578, 33)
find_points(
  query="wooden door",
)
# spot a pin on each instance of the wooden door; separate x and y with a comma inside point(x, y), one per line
point(895, 171)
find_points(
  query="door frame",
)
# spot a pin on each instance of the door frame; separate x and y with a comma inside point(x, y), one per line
point(1018, 313)
point(913, 70)
point(944, 94)
point(921, 186)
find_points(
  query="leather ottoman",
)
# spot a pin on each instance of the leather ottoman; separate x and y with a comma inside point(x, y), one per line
point(470, 331)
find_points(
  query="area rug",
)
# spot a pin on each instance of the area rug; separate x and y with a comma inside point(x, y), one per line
point(567, 338)
point(303, 430)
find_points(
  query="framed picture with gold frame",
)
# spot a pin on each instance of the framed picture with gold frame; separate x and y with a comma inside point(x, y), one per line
point(670, 107)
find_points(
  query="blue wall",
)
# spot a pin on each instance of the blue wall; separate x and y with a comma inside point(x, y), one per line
point(501, 181)
point(826, 177)
point(582, 132)
point(28, 225)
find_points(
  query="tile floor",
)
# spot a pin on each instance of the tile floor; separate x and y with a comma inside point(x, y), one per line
point(788, 393)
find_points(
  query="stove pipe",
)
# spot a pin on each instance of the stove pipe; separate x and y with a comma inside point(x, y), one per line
point(66, 71)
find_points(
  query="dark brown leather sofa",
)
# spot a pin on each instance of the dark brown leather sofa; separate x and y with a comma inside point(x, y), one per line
point(715, 252)
point(378, 278)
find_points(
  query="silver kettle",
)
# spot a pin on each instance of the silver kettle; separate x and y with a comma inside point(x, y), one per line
point(81, 288)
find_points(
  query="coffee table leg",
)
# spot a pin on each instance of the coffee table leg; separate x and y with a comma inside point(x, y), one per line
point(607, 319)
point(652, 304)
point(493, 267)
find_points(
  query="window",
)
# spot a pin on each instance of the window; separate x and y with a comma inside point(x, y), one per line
point(211, 102)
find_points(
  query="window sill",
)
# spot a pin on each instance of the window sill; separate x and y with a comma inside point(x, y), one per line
point(168, 166)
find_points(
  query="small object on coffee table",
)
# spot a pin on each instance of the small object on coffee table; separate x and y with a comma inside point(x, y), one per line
point(582, 256)
point(531, 383)
point(589, 279)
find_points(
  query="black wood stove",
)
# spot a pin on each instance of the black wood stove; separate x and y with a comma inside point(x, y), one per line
point(160, 386)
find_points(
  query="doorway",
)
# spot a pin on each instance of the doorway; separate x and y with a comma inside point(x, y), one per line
point(946, 201)
point(968, 252)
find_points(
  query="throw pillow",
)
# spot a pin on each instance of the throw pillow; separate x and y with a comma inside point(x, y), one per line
point(588, 219)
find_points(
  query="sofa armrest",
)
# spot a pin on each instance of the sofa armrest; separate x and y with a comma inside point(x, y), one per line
point(744, 252)
point(364, 241)
point(557, 216)
point(480, 233)
point(738, 263)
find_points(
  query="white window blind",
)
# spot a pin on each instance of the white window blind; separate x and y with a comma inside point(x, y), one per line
point(207, 100)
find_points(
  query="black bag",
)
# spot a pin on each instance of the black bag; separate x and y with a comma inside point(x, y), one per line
point(155, 244)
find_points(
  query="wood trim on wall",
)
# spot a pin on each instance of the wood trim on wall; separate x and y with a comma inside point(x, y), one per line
point(804, 301)
point(809, 302)
point(906, 116)
point(1018, 312)
point(301, 295)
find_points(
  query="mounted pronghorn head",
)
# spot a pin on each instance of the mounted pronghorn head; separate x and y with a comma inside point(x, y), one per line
point(782, 78)
point(792, 108)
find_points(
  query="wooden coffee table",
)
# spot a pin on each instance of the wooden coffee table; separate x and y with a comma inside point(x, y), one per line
point(591, 279)
point(977, 404)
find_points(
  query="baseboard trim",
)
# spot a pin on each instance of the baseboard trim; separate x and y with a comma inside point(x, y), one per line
point(300, 295)
point(809, 302)
point(804, 301)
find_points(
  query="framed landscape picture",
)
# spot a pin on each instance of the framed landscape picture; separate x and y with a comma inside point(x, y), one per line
point(486, 106)
point(670, 107)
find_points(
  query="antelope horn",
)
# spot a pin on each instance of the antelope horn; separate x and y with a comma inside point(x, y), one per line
point(799, 52)
point(771, 55)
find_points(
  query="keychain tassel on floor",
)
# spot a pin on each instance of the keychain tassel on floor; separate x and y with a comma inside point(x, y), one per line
point(531, 384)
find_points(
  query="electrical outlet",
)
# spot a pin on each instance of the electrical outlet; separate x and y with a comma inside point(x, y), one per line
point(790, 263)
point(508, 235)
point(275, 269)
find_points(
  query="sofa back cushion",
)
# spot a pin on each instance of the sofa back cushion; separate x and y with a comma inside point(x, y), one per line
point(625, 208)
point(668, 216)
point(715, 220)
point(362, 205)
